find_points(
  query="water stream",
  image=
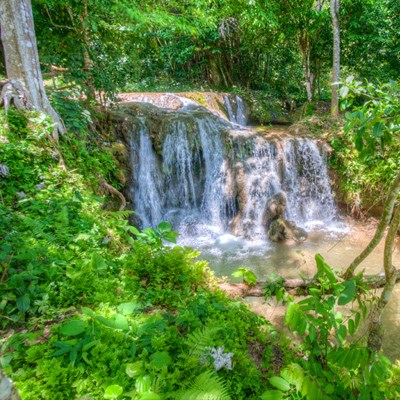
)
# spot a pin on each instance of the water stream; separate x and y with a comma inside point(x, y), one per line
point(212, 180)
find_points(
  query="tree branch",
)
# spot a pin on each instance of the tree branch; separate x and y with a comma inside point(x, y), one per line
point(375, 332)
point(380, 230)
point(244, 290)
point(111, 190)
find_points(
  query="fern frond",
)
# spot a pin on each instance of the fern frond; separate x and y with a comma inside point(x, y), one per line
point(201, 338)
point(38, 228)
point(207, 386)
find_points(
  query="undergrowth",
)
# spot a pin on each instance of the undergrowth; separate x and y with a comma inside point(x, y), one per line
point(92, 308)
point(365, 181)
point(88, 312)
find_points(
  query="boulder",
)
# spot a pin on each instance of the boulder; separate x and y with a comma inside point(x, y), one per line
point(274, 209)
point(281, 229)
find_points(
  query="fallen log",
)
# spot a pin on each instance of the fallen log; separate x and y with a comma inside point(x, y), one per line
point(257, 290)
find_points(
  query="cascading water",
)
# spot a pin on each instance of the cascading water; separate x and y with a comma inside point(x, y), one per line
point(235, 109)
point(148, 178)
point(210, 179)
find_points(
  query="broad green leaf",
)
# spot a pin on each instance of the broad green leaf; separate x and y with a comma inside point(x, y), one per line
point(312, 333)
point(117, 321)
point(113, 392)
point(73, 328)
point(344, 91)
point(160, 359)
point(279, 383)
point(239, 272)
point(351, 326)
point(87, 311)
point(359, 142)
point(64, 348)
point(341, 333)
point(143, 384)
point(127, 308)
point(23, 303)
point(357, 319)
point(378, 129)
point(133, 230)
point(250, 277)
point(164, 227)
point(135, 369)
point(324, 268)
point(347, 295)
point(170, 236)
point(272, 395)
point(291, 311)
point(294, 374)
point(98, 262)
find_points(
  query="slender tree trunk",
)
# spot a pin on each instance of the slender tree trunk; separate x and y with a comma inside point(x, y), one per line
point(380, 230)
point(21, 55)
point(305, 50)
point(375, 334)
point(87, 61)
point(335, 6)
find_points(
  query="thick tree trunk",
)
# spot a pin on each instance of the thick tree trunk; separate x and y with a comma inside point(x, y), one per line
point(335, 6)
point(21, 55)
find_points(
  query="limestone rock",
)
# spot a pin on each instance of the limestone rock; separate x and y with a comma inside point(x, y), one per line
point(281, 229)
point(274, 209)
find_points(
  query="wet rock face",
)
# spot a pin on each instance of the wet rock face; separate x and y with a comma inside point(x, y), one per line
point(204, 174)
point(277, 227)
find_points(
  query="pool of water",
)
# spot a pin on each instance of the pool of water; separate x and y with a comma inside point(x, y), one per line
point(339, 244)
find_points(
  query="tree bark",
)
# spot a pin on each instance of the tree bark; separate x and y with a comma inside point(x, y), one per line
point(380, 230)
point(305, 50)
point(335, 6)
point(21, 56)
point(375, 333)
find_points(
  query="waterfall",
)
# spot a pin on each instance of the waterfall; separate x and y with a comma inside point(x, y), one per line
point(148, 187)
point(240, 111)
point(235, 109)
point(209, 179)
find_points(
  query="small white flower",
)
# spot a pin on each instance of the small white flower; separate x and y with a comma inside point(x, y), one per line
point(221, 359)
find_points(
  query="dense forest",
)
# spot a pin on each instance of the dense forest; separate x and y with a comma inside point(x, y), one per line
point(149, 149)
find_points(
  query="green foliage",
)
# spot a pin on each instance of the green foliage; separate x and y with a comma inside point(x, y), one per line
point(104, 315)
point(328, 357)
point(206, 386)
point(273, 285)
point(155, 237)
point(377, 122)
point(248, 276)
point(367, 155)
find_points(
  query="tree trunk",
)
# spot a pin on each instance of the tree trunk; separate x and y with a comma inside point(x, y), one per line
point(21, 55)
point(87, 61)
point(375, 333)
point(305, 50)
point(335, 6)
point(380, 230)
